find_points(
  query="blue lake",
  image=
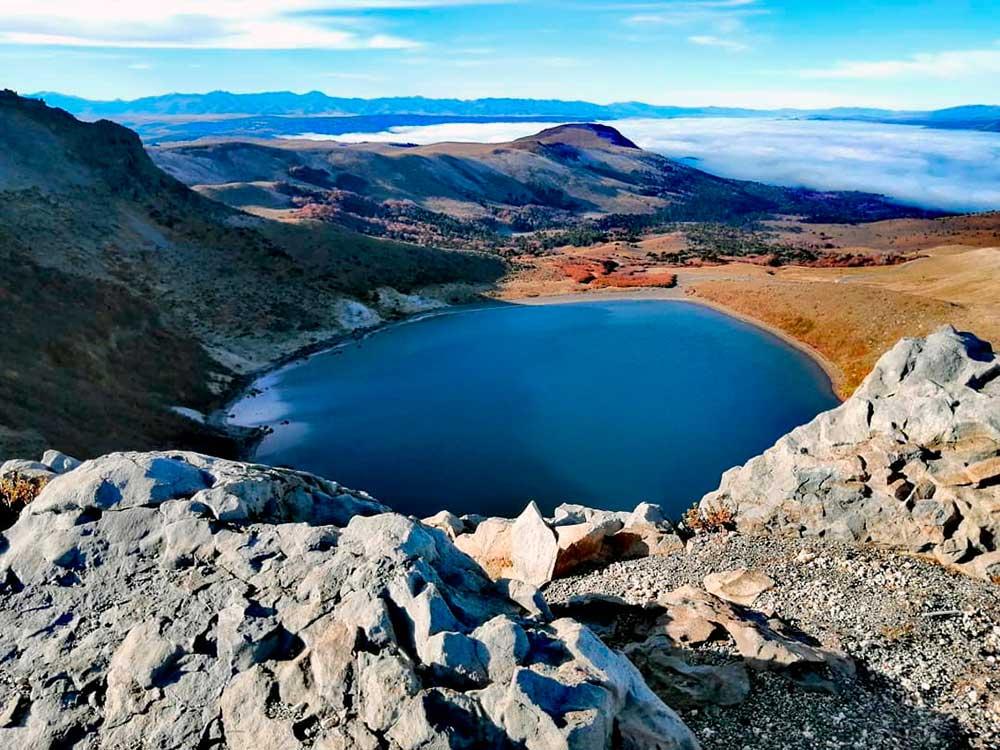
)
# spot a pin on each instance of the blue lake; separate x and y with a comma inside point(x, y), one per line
point(604, 403)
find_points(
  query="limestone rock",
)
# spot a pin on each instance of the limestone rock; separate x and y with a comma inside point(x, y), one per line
point(27, 469)
point(912, 459)
point(491, 546)
point(687, 685)
point(693, 616)
point(647, 514)
point(447, 521)
point(568, 513)
point(582, 543)
point(59, 462)
point(392, 302)
point(643, 540)
point(175, 601)
point(534, 548)
point(740, 586)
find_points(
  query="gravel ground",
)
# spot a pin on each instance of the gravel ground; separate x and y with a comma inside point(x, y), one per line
point(926, 643)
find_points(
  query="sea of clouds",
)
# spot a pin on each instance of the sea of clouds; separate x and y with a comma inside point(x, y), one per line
point(954, 170)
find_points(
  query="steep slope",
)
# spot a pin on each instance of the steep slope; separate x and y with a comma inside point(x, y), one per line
point(552, 179)
point(117, 277)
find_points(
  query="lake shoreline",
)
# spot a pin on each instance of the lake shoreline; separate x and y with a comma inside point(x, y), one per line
point(248, 444)
point(674, 294)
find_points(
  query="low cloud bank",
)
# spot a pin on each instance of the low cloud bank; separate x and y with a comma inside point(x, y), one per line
point(946, 169)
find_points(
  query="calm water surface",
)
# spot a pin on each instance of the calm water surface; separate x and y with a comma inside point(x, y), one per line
point(601, 403)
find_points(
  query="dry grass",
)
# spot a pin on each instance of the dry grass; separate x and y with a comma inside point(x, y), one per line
point(16, 493)
point(708, 521)
point(853, 316)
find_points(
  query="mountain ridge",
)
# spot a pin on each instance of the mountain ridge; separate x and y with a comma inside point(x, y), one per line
point(316, 103)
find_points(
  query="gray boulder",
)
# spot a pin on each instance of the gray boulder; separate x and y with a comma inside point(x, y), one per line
point(912, 459)
point(59, 462)
point(172, 600)
point(536, 550)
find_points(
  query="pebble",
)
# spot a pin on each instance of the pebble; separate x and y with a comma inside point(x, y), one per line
point(913, 688)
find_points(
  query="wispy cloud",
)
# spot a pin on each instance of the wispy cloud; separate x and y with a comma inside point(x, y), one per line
point(953, 64)
point(195, 24)
point(707, 40)
point(725, 16)
point(708, 23)
point(354, 76)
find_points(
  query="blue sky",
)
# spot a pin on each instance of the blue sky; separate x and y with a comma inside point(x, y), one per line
point(758, 53)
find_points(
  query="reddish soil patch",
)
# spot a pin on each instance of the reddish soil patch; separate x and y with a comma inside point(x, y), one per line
point(626, 279)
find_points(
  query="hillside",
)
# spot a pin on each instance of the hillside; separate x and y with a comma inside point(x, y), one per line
point(126, 293)
point(462, 192)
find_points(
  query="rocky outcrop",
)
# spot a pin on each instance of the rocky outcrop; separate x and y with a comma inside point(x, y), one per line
point(739, 586)
point(534, 549)
point(171, 600)
point(912, 459)
point(661, 637)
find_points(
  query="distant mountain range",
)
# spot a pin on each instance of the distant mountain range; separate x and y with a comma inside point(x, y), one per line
point(223, 104)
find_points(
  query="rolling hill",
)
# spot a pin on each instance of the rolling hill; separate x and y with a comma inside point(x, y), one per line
point(555, 179)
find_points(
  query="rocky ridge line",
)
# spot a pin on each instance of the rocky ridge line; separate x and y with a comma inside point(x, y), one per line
point(911, 460)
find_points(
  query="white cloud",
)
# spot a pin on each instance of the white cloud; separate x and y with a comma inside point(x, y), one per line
point(355, 76)
point(707, 40)
point(954, 64)
point(725, 16)
point(484, 132)
point(709, 23)
point(945, 169)
point(195, 24)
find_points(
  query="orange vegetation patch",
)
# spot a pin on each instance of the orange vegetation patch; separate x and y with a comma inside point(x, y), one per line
point(608, 273)
point(626, 280)
point(585, 271)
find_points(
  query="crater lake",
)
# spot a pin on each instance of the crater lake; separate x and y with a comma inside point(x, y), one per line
point(603, 403)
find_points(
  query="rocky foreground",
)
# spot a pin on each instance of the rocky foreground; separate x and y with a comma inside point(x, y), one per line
point(173, 600)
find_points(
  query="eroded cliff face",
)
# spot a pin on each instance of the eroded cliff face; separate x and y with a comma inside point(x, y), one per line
point(912, 459)
point(178, 601)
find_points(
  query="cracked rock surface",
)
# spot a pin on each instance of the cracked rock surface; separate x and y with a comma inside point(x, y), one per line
point(170, 600)
point(912, 459)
